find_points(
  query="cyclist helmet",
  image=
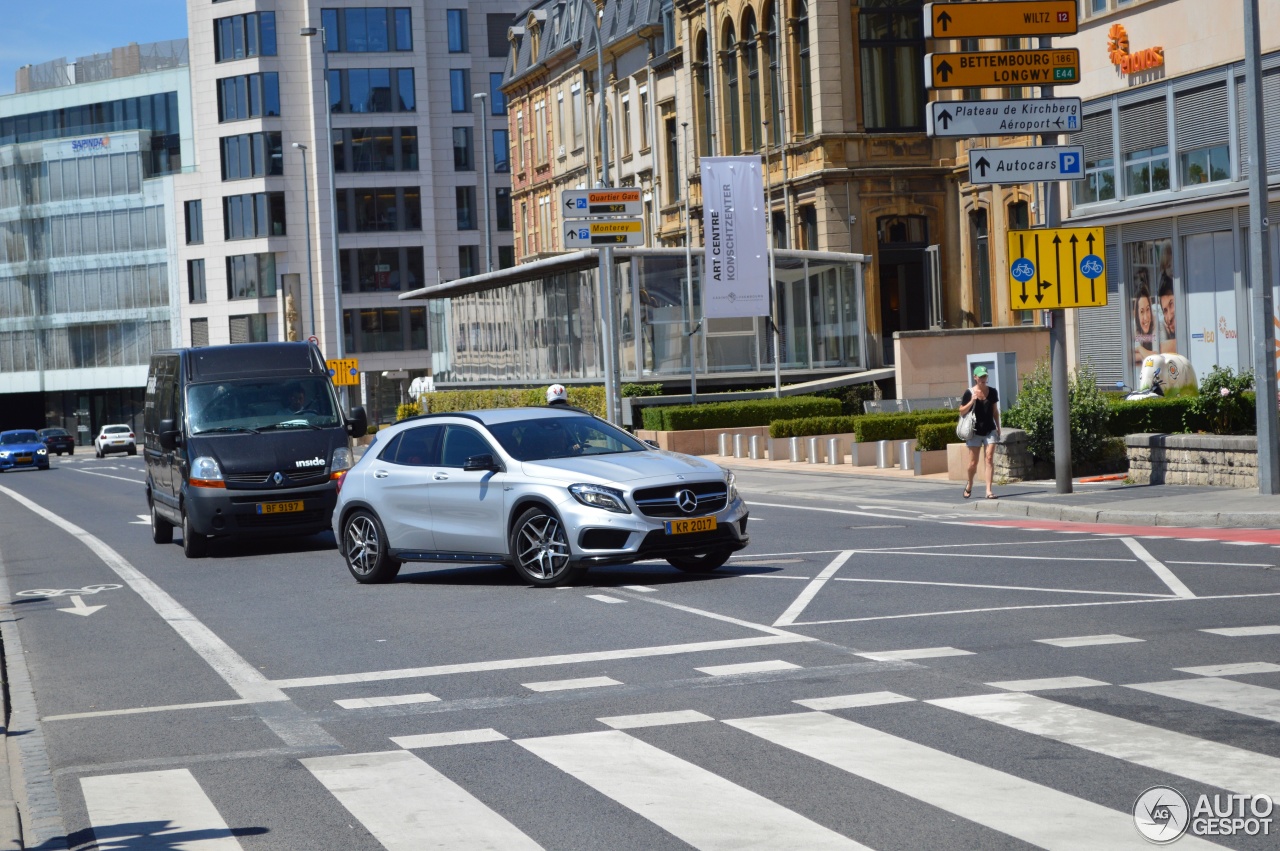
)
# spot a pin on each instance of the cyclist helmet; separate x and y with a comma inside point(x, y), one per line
point(556, 395)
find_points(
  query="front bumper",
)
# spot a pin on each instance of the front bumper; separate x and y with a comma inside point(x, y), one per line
point(233, 512)
point(23, 462)
point(599, 537)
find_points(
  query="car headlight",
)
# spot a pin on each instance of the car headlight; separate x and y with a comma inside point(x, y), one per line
point(42, 451)
point(4, 454)
point(599, 496)
point(205, 473)
point(730, 485)
point(341, 462)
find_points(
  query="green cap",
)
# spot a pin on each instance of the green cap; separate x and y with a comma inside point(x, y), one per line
point(979, 371)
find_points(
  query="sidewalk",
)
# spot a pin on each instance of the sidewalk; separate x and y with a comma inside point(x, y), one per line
point(1105, 502)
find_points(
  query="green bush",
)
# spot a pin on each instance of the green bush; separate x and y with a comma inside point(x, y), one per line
point(636, 390)
point(809, 426)
point(935, 436)
point(1224, 404)
point(754, 412)
point(590, 398)
point(1153, 416)
point(872, 427)
point(1089, 413)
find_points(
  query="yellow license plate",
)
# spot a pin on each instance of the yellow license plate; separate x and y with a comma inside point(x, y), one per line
point(691, 524)
point(279, 507)
point(23, 459)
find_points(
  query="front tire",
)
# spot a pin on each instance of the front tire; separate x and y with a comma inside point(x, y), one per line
point(194, 545)
point(540, 549)
point(703, 563)
point(133, 450)
point(161, 529)
point(97, 452)
point(364, 549)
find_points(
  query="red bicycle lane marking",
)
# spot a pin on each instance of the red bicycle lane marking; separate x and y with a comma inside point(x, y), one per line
point(1253, 536)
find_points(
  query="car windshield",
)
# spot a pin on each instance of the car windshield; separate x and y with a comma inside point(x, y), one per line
point(116, 429)
point(19, 437)
point(252, 406)
point(562, 437)
point(54, 432)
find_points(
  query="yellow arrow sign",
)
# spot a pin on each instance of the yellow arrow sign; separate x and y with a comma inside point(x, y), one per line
point(1018, 18)
point(1057, 267)
point(1003, 68)
point(345, 371)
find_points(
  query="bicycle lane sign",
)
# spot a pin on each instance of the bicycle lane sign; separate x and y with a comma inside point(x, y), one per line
point(1051, 268)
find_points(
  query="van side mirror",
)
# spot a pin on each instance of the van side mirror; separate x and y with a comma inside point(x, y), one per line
point(358, 425)
point(481, 462)
point(168, 435)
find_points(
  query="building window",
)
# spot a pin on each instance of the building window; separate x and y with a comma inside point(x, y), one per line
point(374, 210)
point(644, 119)
point(1203, 130)
point(672, 175)
point(460, 90)
point(249, 328)
point(372, 90)
point(501, 151)
point(545, 241)
point(1206, 165)
point(194, 214)
point(506, 256)
point(540, 140)
point(457, 30)
point(497, 32)
point(980, 264)
point(251, 276)
point(774, 112)
point(248, 96)
point(1146, 170)
point(199, 332)
point(468, 260)
point(808, 227)
point(702, 98)
point(520, 140)
point(729, 60)
point(667, 16)
point(751, 66)
point(244, 36)
point(502, 207)
point(466, 200)
point(560, 137)
point(367, 30)
point(1099, 164)
point(462, 150)
point(1144, 140)
point(251, 155)
point(368, 149)
point(254, 215)
point(379, 270)
point(804, 69)
point(381, 330)
point(497, 100)
point(196, 292)
point(575, 94)
point(625, 126)
point(892, 51)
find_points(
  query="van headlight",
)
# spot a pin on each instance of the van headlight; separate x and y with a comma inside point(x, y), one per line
point(205, 473)
point(340, 463)
point(599, 496)
point(730, 486)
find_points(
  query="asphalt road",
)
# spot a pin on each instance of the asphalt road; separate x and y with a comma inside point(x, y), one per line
point(866, 674)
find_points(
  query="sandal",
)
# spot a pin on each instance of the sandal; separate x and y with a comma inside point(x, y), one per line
point(992, 496)
point(968, 492)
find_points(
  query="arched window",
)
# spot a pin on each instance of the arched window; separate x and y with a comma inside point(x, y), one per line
point(702, 96)
point(729, 64)
point(803, 76)
point(774, 100)
point(751, 66)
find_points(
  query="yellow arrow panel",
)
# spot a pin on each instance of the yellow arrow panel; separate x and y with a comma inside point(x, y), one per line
point(1059, 67)
point(1057, 267)
point(1018, 18)
point(345, 371)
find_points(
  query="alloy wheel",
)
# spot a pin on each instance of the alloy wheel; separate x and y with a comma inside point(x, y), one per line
point(541, 547)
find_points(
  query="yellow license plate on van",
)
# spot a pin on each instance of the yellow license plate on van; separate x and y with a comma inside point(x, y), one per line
point(279, 507)
point(691, 524)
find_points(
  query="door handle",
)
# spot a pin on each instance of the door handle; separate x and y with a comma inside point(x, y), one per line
point(440, 477)
point(380, 474)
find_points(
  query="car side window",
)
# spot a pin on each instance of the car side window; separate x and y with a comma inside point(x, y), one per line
point(418, 447)
point(389, 448)
point(461, 443)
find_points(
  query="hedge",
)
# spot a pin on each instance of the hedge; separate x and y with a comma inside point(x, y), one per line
point(754, 412)
point(873, 427)
point(936, 436)
point(807, 426)
point(589, 398)
point(1152, 416)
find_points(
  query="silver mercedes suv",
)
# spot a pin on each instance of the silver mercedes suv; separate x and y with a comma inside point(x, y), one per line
point(548, 491)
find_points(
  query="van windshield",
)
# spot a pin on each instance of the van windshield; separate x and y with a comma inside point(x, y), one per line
point(263, 405)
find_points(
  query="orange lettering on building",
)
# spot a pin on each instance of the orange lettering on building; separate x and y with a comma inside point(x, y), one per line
point(1131, 63)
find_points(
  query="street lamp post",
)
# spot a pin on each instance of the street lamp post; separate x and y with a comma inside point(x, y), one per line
point(483, 99)
point(339, 339)
point(691, 336)
point(306, 206)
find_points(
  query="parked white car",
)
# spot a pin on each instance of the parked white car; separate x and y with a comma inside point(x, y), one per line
point(115, 438)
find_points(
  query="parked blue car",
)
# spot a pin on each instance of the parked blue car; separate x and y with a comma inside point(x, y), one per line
point(22, 448)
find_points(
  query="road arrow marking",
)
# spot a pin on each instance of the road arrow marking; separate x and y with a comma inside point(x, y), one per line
point(143, 520)
point(80, 608)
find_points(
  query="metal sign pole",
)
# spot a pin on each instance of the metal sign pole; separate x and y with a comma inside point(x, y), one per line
point(1057, 333)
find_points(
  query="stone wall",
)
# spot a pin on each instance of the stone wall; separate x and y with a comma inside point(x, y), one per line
point(1012, 463)
point(1193, 459)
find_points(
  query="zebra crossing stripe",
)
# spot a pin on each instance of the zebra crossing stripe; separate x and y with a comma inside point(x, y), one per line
point(171, 801)
point(1242, 698)
point(1196, 759)
point(991, 798)
point(409, 806)
point(697, 806)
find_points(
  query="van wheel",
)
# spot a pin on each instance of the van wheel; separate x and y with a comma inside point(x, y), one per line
point(194, 545)
point(161, 529)
point(133, 450)
point(702, 563)
point(364, 548)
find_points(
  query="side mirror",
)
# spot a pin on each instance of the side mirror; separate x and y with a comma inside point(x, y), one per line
point(358, 425)
point(168, 435)
point(481, 462)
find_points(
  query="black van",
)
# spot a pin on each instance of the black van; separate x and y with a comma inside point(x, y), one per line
point(243, 440)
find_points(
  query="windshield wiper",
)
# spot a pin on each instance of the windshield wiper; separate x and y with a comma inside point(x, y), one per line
point(228, 430)
point(291, 424)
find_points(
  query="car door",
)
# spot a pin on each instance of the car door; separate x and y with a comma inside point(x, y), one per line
point(399, 487)
point(162, 404)
point(467, 505)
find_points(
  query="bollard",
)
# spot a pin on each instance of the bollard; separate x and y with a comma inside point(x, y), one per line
point(755, 447)
point(834, 455)
point(796, 452)
point(813, 450)
point(739, 446)
point(883, 450)
point(724, 445)
point(906, 451)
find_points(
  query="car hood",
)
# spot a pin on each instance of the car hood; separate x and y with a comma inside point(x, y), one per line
point(269, 451)
point(623, 468)
point(22, 447)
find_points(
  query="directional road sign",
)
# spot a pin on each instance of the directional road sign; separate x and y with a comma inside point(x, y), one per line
point(1003, 117)
point(1026, 165)
point(604, 232)
point(1022, 18)
point(587, 203)
point(975, 70)
point(345, 371)
point(1057, 267)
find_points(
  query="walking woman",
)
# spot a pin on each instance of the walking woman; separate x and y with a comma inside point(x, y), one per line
point(984, 401)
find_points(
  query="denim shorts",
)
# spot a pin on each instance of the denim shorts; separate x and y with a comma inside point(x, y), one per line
point(978, 440)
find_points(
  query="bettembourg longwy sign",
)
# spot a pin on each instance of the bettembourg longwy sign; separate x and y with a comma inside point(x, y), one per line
point(1026, 165)
point(1003, 117)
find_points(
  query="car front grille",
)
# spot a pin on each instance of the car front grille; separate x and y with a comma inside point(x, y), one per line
point(296, 479)
point(661, 501)
point(315, 517)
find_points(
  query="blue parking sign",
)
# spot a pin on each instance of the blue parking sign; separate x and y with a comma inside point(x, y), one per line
point(1069, 163)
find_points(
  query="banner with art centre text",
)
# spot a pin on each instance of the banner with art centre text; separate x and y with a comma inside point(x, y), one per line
point(736, 275)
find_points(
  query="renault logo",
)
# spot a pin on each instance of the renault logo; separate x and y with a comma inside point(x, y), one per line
point(687, 501)
point(278, 479)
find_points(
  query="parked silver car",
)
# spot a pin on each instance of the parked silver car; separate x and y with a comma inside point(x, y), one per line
point(548, 491)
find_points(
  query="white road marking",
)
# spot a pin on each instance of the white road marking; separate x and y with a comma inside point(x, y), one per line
point(1243, 543)
point(917, 653)
point(989, 556)
point(642, 589)
point(1108, 534)
point(142, 710)
point(654, 719)
point(699, 807)
point(1078, 532)
point(1201, 760)
point(831, 511)
point(1237, 670)
point(1241, 698)
point(1002, 587)
point(811, 590)
point(386, 700)
point(716, 616)
point(1195, 540)
point(456, 737)
point(1244, 631)
point(566, 685)
point(854, 701)
point(143, 520)
point(605, 598)
point(409, 806)
point(991, 798)
point(1165, 574)
point(747, 668)
point(1222, 563)
point(1047, 684)
point(1088, 640)
point(169, 807)
point(109, 476)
